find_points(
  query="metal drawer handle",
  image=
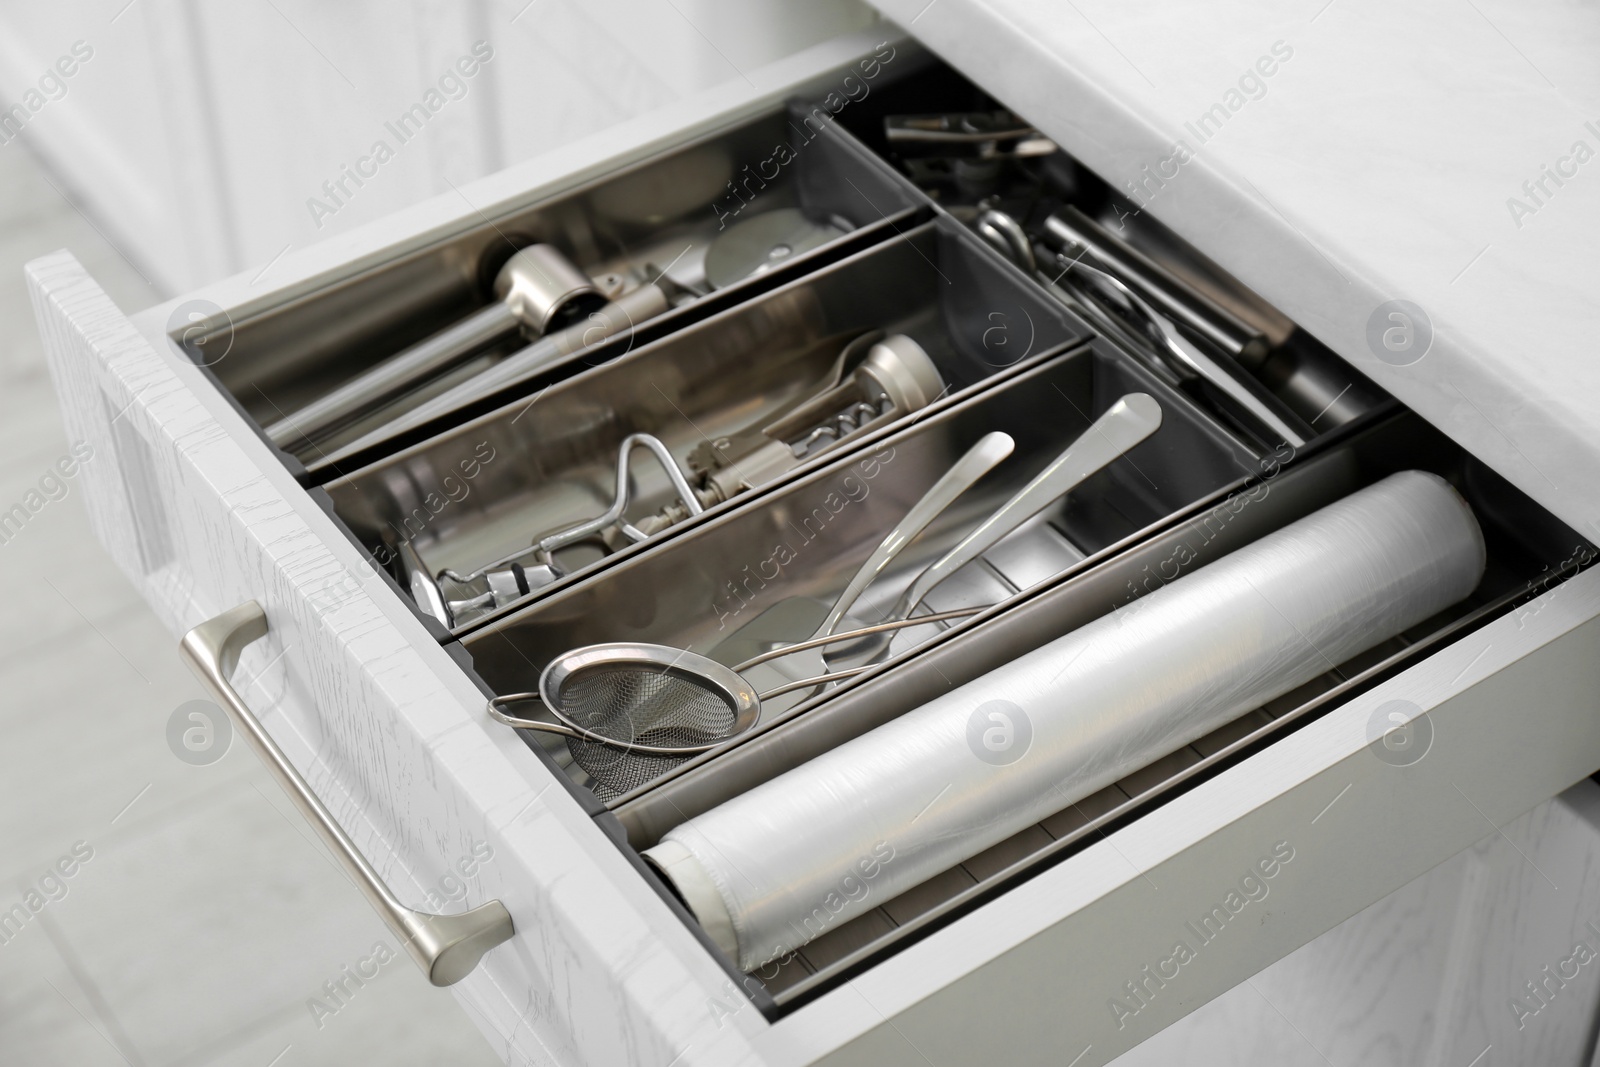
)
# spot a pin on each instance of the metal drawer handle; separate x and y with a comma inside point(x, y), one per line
point(446, 947)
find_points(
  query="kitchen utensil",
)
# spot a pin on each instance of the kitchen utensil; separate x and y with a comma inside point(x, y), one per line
point(805, 660)
point(761, 242)
point(990, 758)
point(1181, 355)
point(637, 305)
point(518, 580)
point(894, 377)
point(537, 289)
point(631, 712)
point(1124, 424)
point(1095, 283)
point(1074, 233)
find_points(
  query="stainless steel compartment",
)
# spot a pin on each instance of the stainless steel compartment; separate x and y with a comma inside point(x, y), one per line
point(547, 460)
point(664, 214)
point(801, 544)
point(1529, 551)
point(932, 129)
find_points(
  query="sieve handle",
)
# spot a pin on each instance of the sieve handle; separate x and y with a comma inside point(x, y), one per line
point(498, 713)
point(446, 947)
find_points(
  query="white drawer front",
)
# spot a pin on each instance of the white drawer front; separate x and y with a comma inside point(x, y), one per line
point(379, 719)
point(1512, 715)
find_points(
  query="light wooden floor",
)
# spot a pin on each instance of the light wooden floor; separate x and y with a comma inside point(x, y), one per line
point(207, 918)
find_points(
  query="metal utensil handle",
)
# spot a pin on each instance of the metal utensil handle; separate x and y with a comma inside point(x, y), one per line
point(1072, 229)
point(852, 635)
point(1127, 422)
point(498, 712)
point(819, 680)
point(394, 377)
point(991, 448)
point(1190, 357)
point(446, 947)
point(613, 515)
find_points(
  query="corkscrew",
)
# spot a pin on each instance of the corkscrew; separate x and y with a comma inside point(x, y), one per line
point(893, 377)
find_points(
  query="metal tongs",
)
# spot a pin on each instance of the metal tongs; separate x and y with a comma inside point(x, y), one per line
point(1092, 283)
point(1182, 357)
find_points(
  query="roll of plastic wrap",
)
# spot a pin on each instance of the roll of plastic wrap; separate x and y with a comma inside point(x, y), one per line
point(804, 853)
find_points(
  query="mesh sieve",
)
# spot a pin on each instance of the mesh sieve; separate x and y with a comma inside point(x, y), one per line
point(640, 704)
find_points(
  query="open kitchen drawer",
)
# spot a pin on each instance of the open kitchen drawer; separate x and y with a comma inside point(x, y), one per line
point(1012, 955)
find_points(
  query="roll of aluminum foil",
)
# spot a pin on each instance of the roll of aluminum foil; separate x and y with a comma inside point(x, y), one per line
point(802, 854)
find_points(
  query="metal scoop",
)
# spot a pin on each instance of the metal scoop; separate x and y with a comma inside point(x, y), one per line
point(631, 712)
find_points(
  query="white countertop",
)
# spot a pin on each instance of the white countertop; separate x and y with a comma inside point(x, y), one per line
point(1375, 163)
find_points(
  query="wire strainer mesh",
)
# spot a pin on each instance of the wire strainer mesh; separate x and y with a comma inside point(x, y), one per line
point(639, 704)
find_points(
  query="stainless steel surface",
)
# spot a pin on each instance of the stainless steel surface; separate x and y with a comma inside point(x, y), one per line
point(978, 461)
point(556, 696)
point(1526, 546)
point(896, 378)
point(1008, 237)
point(638, 305)
point(483, 489)
point(393, 377)
point(1304, 376)
point(422, 585)
point(537, 288)
point(984, 761)
point(1179, 358)
point(1122, 426)
point(824, 640)
point(1076, 233)
point(1233, 518)
point(755, 245)
point(446, 947)
point(1186, 358)
point(543, 288)
point(658, 214)
point(612, 516)
point(803, 542)
point(805, 659)
point(631, 712)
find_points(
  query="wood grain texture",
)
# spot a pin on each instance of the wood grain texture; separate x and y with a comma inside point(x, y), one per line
point(1331, 204)
point(1432, 975)
point(392, 734)
point(383, 724)
point(1512, 710)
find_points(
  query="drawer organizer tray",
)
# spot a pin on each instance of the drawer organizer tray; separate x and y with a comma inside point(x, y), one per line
point(1528, 551)
point(621, 229)
point(1192, 492)
point(946, 216)
point(544, 463)
point(708, 588)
